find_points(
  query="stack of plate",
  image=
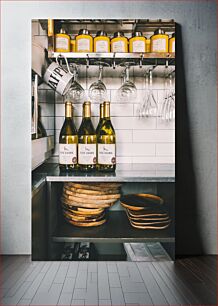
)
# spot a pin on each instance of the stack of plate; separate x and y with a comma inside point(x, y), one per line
point(145, 211)
point(84, 204)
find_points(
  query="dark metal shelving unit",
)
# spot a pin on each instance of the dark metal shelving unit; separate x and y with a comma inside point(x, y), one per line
point(116, 229)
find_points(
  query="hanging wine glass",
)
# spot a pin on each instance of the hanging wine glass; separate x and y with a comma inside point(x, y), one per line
point(98, 90)
point(149, 107)
point(76, 92)
point(168, 105)
point(128, 91)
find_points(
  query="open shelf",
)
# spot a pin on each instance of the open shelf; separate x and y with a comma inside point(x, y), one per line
point(113, 59)
point(116, 229)
point(124, 173)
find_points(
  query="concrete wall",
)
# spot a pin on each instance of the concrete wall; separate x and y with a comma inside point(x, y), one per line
point(196, 113)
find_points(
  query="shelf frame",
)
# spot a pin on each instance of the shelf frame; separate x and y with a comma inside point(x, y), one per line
point(114, 59)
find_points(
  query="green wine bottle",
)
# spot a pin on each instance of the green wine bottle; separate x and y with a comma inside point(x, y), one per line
point(106, 139)
point(68, 141)
point(101, 118)
point(86, 141)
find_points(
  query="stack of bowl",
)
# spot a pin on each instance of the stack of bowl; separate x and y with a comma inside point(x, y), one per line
point(146, 211)
point(84, 204)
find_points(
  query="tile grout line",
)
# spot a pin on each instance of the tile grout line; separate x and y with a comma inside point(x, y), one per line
point(63, 283)
point(32, 283)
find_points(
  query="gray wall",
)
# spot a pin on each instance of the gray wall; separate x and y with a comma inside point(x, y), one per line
point(196, 116)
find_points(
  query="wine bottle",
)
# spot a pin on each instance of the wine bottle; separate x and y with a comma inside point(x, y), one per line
point(106, 139)
point(41, 132)
point(101, 118)
point(68, 141)
point(86, 141)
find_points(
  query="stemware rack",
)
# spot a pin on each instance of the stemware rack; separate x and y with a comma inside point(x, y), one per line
point(115, 59)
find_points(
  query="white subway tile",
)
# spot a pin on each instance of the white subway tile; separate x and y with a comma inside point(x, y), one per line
point(153, 159)
point(134, 123)
point(115, 97)
point(124, 160)
point(154, 136)
point(139, 149)
point(47, 109)
point(60, 110)
point(59, 98)
point(124, 136)
point(44, 86)
point(59, 122)
point(165, 125)
point(50, 132)
point(48, 122)
point(165, 149)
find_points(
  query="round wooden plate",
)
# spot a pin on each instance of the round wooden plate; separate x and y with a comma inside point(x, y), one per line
point(85, 205)
point(147, 213)
point(87, 200)
point(150, 227)
point(141, 201)
point(83, 224)
point(147, 218)
point(76, 218)
point(95, 187)
point(91, 196)
point(83, 211)
point(91, 192)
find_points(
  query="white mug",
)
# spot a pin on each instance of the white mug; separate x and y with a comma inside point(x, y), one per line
point(58, 78)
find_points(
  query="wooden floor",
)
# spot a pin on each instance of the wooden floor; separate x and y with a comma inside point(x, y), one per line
point(189, 281)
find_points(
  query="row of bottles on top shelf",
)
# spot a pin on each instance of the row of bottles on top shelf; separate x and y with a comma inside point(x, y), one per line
point(102, 43)
point(87, 149)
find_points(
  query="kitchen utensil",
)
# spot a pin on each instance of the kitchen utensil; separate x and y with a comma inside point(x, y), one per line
point(168, 104)
point(98, 90)
point(149, 106)
point(76, 92)
point(141, 201)
point(128, 91)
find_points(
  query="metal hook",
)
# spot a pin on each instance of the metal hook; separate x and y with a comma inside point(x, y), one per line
point(87, 61)
point(114, 63)
point(66, 61)
point(140, 61)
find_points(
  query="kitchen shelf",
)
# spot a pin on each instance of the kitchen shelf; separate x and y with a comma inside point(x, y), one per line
point(113, 59)
point(124, 173)
point(116, 229)
point(112, 25)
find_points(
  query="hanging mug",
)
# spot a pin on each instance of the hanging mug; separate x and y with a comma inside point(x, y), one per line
point(58, 78)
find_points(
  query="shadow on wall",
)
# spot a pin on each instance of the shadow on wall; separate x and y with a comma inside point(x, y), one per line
point(188, 231)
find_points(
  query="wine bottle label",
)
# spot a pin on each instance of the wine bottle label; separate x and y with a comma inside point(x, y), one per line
point(138, 46)
point(67, 154)
point(83, 44)
point(86, 154)
point(118, 46)
point(159, 44)
point(102, 46)
point(106, 154)
point(62, 43)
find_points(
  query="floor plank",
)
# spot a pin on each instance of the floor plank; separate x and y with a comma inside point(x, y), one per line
point(187, 281)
